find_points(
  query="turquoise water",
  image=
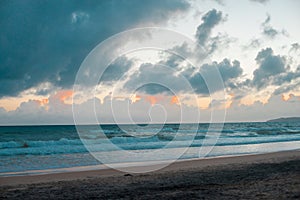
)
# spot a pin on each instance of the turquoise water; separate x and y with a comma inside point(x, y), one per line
point(24, 148)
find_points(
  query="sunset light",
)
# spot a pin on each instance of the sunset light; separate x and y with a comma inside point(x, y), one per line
point(149, 99)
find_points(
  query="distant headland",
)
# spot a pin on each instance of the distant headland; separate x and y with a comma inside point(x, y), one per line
point(287, 119)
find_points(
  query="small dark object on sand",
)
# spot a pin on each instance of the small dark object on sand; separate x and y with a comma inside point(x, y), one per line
point(127, 174)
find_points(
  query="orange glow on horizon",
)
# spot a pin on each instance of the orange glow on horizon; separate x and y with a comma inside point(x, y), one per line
point(286, 97)
point(204, 102)
point(251, 99)
point(247, 101)
point(151, 99)
point(10, 104)
point(42, 102)
point(135, 98)
point(175, 100)
point(64, 95)
point(229, 101)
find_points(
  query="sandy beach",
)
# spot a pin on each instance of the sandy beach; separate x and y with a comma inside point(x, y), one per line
point(264, 176)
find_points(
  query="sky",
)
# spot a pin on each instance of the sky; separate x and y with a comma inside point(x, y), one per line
point(253, 44)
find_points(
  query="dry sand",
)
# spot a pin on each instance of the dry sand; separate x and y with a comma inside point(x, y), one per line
point(264, 176)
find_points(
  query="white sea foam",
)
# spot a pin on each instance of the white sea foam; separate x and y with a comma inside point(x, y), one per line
point(25, 148)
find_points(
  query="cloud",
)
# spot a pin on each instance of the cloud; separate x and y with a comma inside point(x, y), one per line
point(286, 77)
point(275, 108)
point(204, 30)
point(204, 35)
point(116, 70)
point(53, 110)
point(288, 81)
point(273, 71)
point(270, 65)
point(220, 2)
point(47, 41)
point(229, 73)
point(260, 1)
point(287, 88)
point(269, 31)
point(154, 79)
point(61, 96)
point(111, 109)
point(143, 111)
point(206, 43)
point(229, 70)
point(158, 79)
point(171, 71)
point(295, 47)
point(253, 44)
point(219, 42)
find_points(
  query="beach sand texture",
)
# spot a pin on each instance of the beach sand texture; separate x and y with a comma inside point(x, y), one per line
point(264, 176)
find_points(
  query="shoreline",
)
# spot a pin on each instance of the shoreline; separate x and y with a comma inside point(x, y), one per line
point(98, 171)
point(262, 176)
point(217, 152)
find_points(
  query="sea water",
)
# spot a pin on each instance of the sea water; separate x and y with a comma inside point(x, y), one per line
point(28, 148)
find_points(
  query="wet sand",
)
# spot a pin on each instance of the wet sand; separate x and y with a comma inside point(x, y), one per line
point(264, 176)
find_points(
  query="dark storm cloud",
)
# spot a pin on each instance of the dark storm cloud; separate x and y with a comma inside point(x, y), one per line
point(116, 70)
point(270, 65)
point(46, 41)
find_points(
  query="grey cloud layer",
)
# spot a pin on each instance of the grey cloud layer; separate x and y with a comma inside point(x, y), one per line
point(189, 80)
point(273, 70)
point(47, 40)
point(269, 66)
point(229, 73)
point(274, 109)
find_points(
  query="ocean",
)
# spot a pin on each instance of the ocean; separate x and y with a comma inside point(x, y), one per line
point(49, 149)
